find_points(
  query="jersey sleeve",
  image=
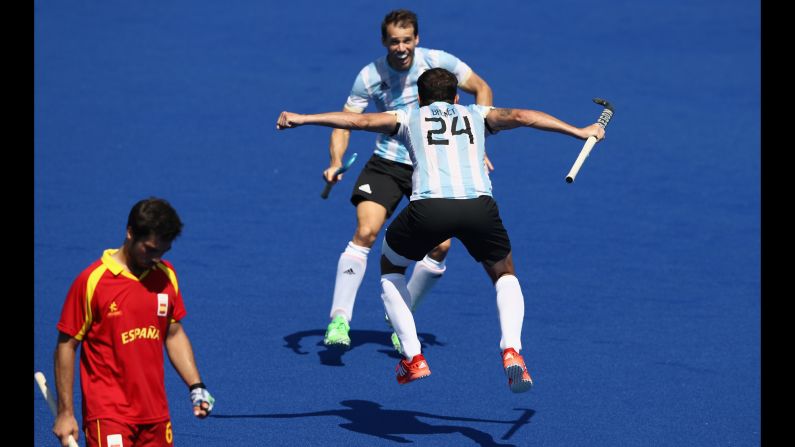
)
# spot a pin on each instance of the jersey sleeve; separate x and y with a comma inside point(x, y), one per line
point(482, 111)
point(442, 59)
point(359, 97)
point(75, 314)
point(178, 305)
point(179, 308)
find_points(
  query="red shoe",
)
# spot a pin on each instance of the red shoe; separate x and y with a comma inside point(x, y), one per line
point(518, 379)
point(407, 371)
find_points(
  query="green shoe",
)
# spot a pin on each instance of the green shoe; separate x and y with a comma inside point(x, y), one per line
point(337, 333)
point(396, 343)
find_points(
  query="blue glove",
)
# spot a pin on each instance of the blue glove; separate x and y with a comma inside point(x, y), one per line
point(201, 400)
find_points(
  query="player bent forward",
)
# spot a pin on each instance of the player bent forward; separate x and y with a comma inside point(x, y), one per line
point(451, 197)
point(125, 309)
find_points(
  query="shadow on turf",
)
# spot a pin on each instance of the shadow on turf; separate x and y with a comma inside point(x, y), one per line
point(332, 356)
point(371, 419)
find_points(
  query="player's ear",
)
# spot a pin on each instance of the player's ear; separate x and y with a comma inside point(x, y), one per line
point(455, 101)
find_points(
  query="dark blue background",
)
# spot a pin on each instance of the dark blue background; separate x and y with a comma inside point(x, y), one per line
point(641, 279)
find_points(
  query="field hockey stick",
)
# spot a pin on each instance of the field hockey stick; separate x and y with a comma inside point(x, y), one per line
point(339, 171)
point(48, 396)
point(604, 118)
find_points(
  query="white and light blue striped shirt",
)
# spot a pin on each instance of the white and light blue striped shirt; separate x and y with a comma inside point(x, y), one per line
point(446, 143)
point(390, 89)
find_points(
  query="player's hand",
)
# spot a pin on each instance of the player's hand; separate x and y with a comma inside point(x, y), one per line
point(594, 130)
point(66, 425)
point(288, 120)
point(328, 174)
point(201, 399)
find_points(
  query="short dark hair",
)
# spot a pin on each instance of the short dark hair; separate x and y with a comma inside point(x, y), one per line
point(154, 216)
point(436, 84)
point(401, 18)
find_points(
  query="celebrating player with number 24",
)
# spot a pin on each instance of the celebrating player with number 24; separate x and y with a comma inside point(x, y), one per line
point(388, 83)
point(451, 197)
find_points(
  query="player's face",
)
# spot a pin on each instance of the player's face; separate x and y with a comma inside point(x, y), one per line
point(400, 44)
point(145, 252)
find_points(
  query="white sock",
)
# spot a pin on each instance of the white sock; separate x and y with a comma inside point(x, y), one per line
point(510, 307)
point(424, 276)
point(395, 295)
point(350, 272)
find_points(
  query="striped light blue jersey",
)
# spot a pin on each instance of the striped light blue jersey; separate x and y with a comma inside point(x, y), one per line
point(390, 89)
point(446, 143)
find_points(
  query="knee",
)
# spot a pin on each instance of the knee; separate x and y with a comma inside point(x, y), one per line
point(440, 251)
point(365, 236)
point(500, 269)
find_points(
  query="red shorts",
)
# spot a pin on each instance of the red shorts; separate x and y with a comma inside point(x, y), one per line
point(110, 433)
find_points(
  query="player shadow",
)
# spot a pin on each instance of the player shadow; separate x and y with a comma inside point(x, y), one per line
point(332, 356)
point(370, 418)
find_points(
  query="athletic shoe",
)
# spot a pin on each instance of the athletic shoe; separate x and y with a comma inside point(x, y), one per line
point(407, 371)
point(518, 379)
point(337, 333)
point(396, 343)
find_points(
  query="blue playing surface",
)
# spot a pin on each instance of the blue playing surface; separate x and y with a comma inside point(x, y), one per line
point(641, 279)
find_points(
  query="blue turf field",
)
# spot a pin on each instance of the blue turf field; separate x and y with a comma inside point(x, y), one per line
point(641, 279)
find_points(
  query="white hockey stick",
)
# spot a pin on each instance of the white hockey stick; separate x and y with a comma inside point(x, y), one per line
point(50, 398)
point(604, 118)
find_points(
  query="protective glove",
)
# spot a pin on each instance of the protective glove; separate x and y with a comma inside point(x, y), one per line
point(201, 400)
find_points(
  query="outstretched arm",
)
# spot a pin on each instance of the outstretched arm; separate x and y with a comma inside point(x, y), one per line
point(502, 119)
point(372, 122)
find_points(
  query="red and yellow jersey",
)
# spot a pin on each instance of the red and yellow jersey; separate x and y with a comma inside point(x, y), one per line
point(122, 322)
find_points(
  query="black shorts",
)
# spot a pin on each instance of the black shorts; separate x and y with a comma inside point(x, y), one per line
point(384, 182)
point(424, 224)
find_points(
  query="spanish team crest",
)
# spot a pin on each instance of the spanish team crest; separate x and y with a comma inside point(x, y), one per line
point(162, 304)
